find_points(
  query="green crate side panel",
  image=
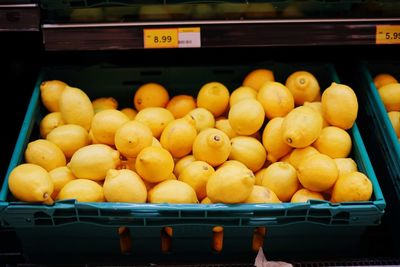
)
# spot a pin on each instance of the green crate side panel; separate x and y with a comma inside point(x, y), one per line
point(101, 80)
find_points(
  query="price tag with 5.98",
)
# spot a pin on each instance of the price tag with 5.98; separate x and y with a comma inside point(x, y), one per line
point(388, 34)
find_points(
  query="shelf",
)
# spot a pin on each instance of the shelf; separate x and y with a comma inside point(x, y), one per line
point(235, 33)
point(19, 17)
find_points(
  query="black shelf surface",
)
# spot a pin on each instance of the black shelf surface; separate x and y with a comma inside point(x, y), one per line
point(236, 33)
point(19, 17)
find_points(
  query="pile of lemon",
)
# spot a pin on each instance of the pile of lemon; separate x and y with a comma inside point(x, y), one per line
point(265, 142)
point(389, 91)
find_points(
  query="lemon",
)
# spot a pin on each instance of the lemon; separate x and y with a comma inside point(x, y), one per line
point(223, 124)
point(304, 195)
point(50, 93)
point(300, 154)
point(301, 127)
point(76, 107)
point(241, 93)
point(235, 163)
point(318, 172)
point(150, 95)
point(276, 99)
point(155, 118)
point(45, 154)
point(257, 78)
point(203, 118)
point(174, 192)
point(128, 163)
point(390, 95)
point(286, 158)
point(82, 190)
point(129, 112)
point(345, 165)
point(230, 184)
point(69, 137)
point(262, 194)
point(214, 97)
point(303, 85)
point(93, 161)
point(334, 142)
point(354, 186)
point(394, 117)
point(249, 151)
point(105, 124)
point(60, 176)
point(181, 105)
point(154, 164)
point(281, 178)
point(317, 106)
point(104, 103)
point(246, 117)
point(156, 142)
point(272, 139)
point(182, 163)
point(206, 200)
point(92, 139)
point(340, 105)
point(124, 186)
point(50, 122)
point(31, 183)
point(178, 137)
point(212, 146)
point(259, 176)
point(131, 137)
point(196, 175)
point(383, 79)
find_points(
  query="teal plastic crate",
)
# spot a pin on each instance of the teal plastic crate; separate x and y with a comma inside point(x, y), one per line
point(90, 230)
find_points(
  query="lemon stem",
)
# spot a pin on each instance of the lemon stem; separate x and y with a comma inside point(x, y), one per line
point(289, 140)
point(217, 138)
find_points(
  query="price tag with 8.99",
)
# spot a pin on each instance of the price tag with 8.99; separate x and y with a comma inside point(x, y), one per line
point(388, 34)
point(160, 38)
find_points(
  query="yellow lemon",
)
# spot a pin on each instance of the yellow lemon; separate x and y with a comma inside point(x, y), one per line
point(82, 190)
point(212, 146)
point(286, 158)
point(257, 78)
point(132, 137)
point(203, 118)
point(182, 163)
point(300, 154)
point(178, 137)
point(281, 178)
point(124, 186)
point(303, 85)
point(104, 103)
point(155, 118)
point(92, 139)
point(30, 182)
point(354, 186)
point(181, 105)
point(383, 79)
point(317, 106)
point(93, 161)
point(246, 117)
point(394, 117)
point(334, 142)
point(249, 151)
point(150, 95)
point(234, 162)
point(340, 105)
point(241, 93)
point(129, 112)
point(390, 95)
point(206, 200)
point(45, 154)
point(262, 194)
point(69, 137)
point(50, 122)
point(156, 142)
point(214, 97)
point(223, 124)
point(230, 184)
point(196, 175)
point(272, 139)
point(304, 195)
point(345, 165)
point(301, 127)
point(174, 192)
point(76, 107)
point(318, 172)
point(276, 99)
point(105, 124)
point(154, 164)
point(259, 176)
point(60, 176)
point(50, 93)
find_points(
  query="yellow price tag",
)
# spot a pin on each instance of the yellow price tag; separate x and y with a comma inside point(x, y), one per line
point(387, 34)
point(160, 38)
